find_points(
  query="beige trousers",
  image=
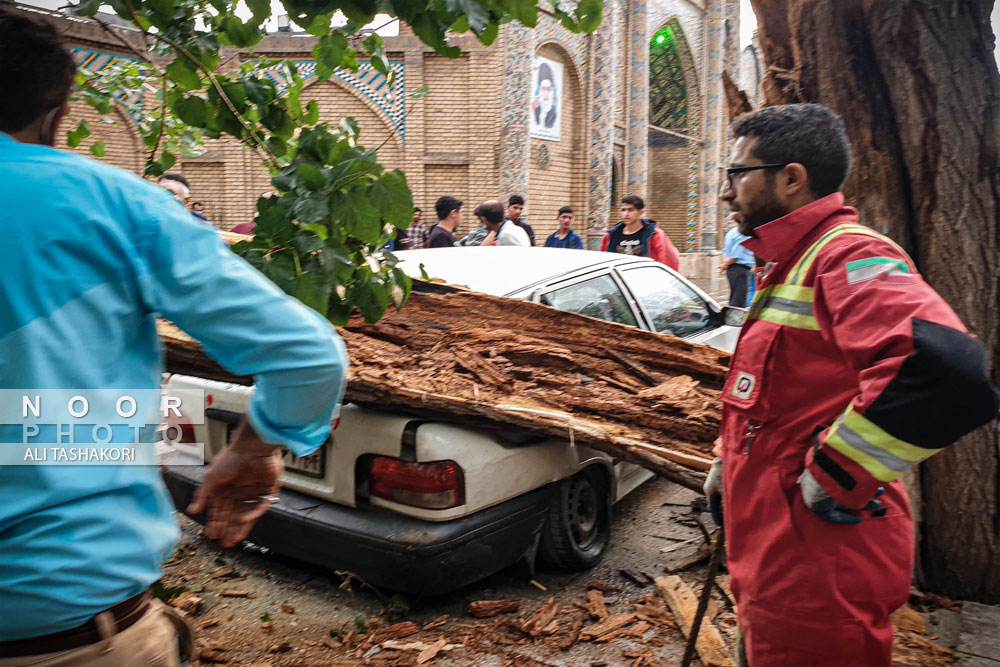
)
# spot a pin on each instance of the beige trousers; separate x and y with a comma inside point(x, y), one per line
point(150, 642)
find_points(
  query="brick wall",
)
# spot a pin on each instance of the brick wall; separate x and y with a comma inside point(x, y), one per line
point(561, 181)
point(667, 200)
point(122, 145)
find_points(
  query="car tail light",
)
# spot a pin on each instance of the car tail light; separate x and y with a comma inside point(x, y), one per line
point(434, 486)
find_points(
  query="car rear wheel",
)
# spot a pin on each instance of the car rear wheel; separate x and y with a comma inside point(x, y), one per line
point(578, 528)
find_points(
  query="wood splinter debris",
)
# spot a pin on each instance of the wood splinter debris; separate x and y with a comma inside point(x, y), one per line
point(489, 608)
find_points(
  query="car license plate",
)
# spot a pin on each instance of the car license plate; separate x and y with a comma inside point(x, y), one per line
point(311, 465)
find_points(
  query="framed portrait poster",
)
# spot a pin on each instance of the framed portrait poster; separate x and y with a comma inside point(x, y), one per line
point(546, 99)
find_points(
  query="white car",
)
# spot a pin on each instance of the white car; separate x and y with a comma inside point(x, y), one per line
point(425, 506)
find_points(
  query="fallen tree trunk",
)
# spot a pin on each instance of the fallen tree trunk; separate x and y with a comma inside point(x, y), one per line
point(494, 362)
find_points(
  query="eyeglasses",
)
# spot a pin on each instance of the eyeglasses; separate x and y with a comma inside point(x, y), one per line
point(754, 167)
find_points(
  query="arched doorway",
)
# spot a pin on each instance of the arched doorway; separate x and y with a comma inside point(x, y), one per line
point(674, 118)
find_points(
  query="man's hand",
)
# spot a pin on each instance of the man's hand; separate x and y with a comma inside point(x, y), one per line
point(237, 486)
point(828, 509)
point(713, 490)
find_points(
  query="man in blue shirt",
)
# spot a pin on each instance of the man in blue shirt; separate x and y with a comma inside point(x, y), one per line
point(92, 255)
point(565, 237)
point(737, 264)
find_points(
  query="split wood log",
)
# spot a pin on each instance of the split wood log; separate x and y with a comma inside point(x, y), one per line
point(396, 631)
point(683, 603)
point(493, 362)
point(488, 608)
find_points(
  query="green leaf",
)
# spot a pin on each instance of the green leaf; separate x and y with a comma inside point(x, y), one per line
point(180, 72)
point(74, 137)
point(277, 146)
point(97, 148)
point(476, 15)
point(164, 8)
point(422, 91)
point(237, 33)
point(489, 34)
point(589, 14)
point(260, 91)
point(312, 113)
point(261, 10)
point(87, 7)
point(312, 177)
point(329, 53)
point(280, 269)
point(392, 198)
point(313, 207)
point(193, 110)
point(314, 291)
point(153, 169)
point(319, 230)
point(372, 299)
point(360, 218)
point(167, 160)
point(307, 242)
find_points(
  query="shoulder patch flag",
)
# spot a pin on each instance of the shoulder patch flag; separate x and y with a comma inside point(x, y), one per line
point(861, 270)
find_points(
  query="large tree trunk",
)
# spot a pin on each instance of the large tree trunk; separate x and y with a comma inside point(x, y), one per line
point(918, 88)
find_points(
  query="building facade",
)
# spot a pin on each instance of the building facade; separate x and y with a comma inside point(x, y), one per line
point(559, 118)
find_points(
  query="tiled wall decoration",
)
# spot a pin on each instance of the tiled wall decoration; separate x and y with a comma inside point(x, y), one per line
point(97, 62)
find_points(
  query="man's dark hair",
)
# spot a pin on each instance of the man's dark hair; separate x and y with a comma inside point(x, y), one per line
point(36, 70)
point(491, 210)
point(565, 209)
point(445, 205)
point(174, 176)
point(634, 200)
point(810, 134)
point(515, 200)
point(196, 203)
point(417, 209)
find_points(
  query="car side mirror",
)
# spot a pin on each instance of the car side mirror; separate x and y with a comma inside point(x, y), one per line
point(733, 316)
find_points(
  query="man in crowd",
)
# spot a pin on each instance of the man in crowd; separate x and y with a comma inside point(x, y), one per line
point(564, 237)
point(515, 209)
point(635, 235)
point(737, 265)
point(501, 232)
point(415, 237)
point(177, 184)
point(94, 255)
point(449, 212)
point(849, 371)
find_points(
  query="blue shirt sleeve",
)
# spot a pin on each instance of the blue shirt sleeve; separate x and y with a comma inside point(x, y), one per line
point(575, 242)
point(246, 323)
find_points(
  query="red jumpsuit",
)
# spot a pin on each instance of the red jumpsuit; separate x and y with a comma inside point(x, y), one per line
point(850, 364)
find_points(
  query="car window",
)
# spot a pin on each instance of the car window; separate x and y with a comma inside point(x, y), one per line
point(598, 297)
point(672, 306)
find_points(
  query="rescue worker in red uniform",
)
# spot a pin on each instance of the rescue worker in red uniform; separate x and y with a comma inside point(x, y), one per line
point(849, 370)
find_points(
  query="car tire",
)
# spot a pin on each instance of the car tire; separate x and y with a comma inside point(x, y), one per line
point(577, 531)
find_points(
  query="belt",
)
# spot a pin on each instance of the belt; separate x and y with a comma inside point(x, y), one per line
point(125, 614)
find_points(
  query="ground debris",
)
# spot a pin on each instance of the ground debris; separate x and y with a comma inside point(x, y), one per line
point(639, 578)
point(235, 593)
point(607, 627)
point(489, 608)
point(189, 603)
point(540, 622)
point(684, 604)
point(595, 605)
point(404, 629)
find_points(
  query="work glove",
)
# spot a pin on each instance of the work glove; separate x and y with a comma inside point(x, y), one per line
point(826, 507)
point(713, 490)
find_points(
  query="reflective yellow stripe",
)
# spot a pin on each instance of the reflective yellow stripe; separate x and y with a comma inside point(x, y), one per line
point(801, 268)
point(881, 454)
point(787, 305)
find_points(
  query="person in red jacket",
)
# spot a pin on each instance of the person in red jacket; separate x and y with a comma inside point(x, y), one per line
point(849, 370)
point(635, 235)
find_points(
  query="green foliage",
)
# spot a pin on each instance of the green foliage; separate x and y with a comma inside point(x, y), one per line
point(320, 239)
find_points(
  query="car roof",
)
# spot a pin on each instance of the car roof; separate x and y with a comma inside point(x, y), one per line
point(502, 270)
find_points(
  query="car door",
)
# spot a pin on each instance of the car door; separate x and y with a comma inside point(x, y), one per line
point(668, 303)
point(594, 295)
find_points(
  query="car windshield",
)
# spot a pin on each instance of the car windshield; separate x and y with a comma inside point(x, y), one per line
point(672, 306)
point(597, 297)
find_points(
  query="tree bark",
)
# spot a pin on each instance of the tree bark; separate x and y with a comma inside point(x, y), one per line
point(917, 86)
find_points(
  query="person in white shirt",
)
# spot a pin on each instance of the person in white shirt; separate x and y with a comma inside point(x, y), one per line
point(490, 213)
